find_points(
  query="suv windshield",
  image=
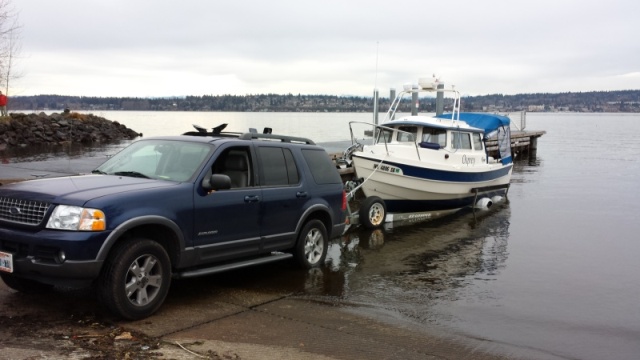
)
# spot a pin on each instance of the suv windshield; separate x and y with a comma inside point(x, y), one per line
point(157, 159)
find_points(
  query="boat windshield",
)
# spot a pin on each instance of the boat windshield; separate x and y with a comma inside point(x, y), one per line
point(436, 136)
point(383, 135)
point(461, 140)
point(477, 141)
point(407, 133)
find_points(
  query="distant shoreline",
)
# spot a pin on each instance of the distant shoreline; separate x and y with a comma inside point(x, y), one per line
point(625, 101)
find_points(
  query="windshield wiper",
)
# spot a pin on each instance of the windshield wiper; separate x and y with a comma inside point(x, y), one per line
point(96, 171)
point(131, 173)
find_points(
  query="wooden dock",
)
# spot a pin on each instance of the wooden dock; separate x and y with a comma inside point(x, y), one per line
point(522, 142)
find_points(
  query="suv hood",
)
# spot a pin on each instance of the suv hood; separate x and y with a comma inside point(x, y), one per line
point(77, 190)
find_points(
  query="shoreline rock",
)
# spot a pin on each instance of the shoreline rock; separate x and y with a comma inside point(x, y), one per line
point(20, 130)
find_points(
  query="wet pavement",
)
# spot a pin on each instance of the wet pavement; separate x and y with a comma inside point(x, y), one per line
point(258, 313)
point(34, 168)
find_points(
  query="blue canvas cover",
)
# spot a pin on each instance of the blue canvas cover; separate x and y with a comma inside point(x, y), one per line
point(485, 121)
point(490, 123)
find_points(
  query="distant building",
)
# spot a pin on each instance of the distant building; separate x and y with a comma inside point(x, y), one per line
point(535, 108)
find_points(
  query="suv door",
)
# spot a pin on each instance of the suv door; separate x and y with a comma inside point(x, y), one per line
point(227, 221)
point(283, 196)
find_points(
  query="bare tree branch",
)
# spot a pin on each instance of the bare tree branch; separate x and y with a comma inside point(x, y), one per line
point(9, 43)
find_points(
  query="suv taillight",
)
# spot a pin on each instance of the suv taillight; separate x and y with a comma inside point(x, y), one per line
point(344, 200)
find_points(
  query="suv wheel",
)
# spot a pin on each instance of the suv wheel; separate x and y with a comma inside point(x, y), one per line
point(24, 285)
point(136, 278)
point(311, 248)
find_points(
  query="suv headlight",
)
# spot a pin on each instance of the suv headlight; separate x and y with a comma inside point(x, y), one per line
point(65, 217)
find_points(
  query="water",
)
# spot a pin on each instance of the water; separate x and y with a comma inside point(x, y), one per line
point(552, 274)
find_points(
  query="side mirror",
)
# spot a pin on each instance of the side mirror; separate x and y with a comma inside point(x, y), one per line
point(216, 182)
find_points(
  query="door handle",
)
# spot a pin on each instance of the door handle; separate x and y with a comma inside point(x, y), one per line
point(301, 194)
point(251, 198)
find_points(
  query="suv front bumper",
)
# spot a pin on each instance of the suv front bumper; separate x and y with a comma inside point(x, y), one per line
point(68, 273)
point(37, 255)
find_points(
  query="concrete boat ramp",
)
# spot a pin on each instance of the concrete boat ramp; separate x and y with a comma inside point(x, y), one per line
point(246, 314)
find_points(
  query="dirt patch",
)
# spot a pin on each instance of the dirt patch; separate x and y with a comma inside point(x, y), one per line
point(83, 335)
point(68, 323)
point(87, 337)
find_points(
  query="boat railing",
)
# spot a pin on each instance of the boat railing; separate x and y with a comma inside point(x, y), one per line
point(455, 113)
point(377, 131)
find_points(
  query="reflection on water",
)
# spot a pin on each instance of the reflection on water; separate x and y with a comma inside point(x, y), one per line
point(402, 270)
point(58, 152)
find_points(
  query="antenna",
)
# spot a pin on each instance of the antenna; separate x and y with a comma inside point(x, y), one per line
point(375, 89)
point(377, 52)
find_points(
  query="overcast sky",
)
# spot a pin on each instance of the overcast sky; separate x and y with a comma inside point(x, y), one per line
point(148, 48)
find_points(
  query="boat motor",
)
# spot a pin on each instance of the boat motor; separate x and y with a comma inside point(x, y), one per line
point(484, 203)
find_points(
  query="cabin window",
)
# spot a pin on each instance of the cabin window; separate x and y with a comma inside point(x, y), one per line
point(436, 136)
point(477, 141)
point(404, 135)
point(383, 135)
point(461, 140)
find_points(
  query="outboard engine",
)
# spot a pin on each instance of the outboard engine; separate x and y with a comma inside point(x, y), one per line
point(484, 203)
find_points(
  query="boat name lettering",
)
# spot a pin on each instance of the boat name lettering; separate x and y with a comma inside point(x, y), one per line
point(468, 160)
point(387, 168)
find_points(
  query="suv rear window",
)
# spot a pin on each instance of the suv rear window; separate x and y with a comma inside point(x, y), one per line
point(278, 166)
point(321, 167)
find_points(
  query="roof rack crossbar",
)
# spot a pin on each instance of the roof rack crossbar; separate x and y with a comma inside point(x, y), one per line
point(283, 138)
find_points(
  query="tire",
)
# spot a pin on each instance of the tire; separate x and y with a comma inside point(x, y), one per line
point(135, 279)
point(26, 286)
point(372, 212)
point(311, 247)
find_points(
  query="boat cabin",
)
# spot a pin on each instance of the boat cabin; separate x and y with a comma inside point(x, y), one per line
point(432, 137)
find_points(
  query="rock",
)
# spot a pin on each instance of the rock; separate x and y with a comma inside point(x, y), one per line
point(69, 127)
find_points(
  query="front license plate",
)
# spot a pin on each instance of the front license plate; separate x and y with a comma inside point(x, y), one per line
point(6, 262)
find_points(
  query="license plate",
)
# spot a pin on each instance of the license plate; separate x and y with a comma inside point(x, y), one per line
point(6, 262)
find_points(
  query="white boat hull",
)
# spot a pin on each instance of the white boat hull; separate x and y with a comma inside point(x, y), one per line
point(412, 188)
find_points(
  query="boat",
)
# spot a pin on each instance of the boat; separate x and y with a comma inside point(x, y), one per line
point(420, 163)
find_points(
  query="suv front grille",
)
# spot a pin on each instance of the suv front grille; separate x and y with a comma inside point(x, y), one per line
point(26, 212)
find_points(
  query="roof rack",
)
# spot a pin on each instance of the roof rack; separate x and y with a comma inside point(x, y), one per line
point(251, 135)
point(283, 138)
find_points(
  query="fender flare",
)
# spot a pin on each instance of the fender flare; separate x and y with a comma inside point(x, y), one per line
point(135, 222)
point(313, 208)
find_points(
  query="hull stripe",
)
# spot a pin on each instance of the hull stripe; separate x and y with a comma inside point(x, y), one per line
point(448, 176)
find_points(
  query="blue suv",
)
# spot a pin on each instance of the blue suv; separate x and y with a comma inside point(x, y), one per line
point(171, 207)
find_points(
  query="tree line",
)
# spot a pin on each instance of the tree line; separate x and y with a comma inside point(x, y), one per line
point(595, 101)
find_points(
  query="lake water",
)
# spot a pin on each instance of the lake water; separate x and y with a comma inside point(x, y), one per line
point(552, 274)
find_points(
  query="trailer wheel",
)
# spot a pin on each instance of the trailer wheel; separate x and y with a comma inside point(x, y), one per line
point(372, 212)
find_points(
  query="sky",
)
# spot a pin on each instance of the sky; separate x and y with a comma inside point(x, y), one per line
point(160, 48)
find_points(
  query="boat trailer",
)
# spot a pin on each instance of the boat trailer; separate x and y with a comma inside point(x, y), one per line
point(371, 211)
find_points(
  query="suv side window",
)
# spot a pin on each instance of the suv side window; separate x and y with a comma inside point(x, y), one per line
point(321, 167)
point(236, 163)
point(278, 166)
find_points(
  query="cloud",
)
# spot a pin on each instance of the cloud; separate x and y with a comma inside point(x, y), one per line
point(163, 48)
